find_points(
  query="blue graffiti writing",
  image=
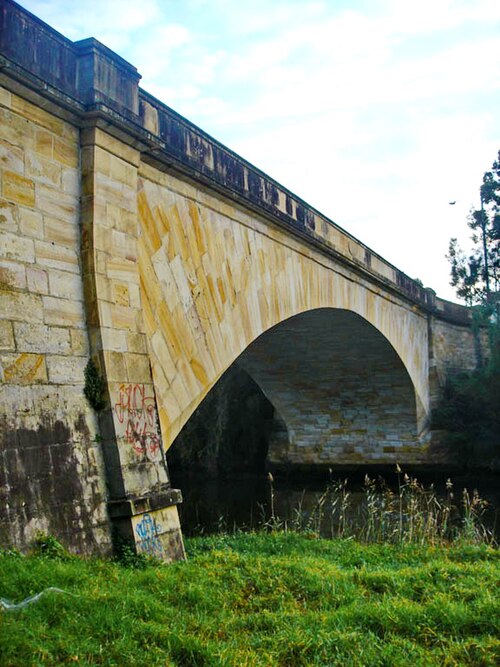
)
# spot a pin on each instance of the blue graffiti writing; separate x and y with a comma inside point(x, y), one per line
point(148, 530)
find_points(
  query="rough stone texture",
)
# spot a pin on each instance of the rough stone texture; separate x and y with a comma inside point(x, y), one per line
point(51, 476)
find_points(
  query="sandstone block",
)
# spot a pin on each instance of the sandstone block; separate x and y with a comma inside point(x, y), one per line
point(44, 143)
point(36, 280)
point(8, 216)
point(138, 368)
point(120, 269)
point(7, 342)
point(65, 285)
point(42, 170)
point(56, 203)
point(116, 370)
point(12, 275)
point(113, 146)
point(24, 368)
point(120, 293)
point(17, 248)
point(62, 232)
point(36, 114)
point(41, 338)
point(5, 97)
point(63, 312)
point(11, 157)
point(66, 370)
point(136, 342)
point(31, 223)
point(79, 342)
point(21, 307)
point(70, 181)
point(123, 317)
point(122, 171)
point(66, 153)
point(18, 189)
point(114, 340)
point(135, 296)
point(56, 257)
point(16, 130)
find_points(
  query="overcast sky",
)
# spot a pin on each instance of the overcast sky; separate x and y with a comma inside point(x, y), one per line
point(377, 113)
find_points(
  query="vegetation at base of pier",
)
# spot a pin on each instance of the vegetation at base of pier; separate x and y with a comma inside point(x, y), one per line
point(249, 599)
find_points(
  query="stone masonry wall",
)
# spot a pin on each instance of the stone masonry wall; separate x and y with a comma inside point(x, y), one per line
point(51, 476)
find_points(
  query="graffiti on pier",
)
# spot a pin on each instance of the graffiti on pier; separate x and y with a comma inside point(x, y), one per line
point(148, 530)
point(136, 412)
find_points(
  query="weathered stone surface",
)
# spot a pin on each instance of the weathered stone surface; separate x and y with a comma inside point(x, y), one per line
point(51, 472)
point(41, 338)
point(18, 189)
point(6, 336)
point(23, 368)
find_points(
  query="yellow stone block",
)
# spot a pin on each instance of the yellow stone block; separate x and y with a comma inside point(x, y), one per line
point(18, 189)
point(11, 157)
point(120, 293)
point(123, 317)
point(44, 143)
point(5, 97)
point(26, 369)
point(6, 336)
point(115, 366)
point(149, 232)
point(36, 114)
point(138, 368)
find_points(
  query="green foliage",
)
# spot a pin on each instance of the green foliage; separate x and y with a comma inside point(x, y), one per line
point(469, 412)
point(255, 600)
point(127, 555)
point(94, 386)
point(47, 546)
point(477, 276)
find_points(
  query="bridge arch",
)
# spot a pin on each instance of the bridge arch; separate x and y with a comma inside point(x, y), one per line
point(215, 279)
point(323, 387)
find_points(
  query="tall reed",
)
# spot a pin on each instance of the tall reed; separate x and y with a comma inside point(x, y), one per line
point(413, 513)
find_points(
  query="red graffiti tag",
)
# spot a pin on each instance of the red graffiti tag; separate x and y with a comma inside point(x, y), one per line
point(137, 412)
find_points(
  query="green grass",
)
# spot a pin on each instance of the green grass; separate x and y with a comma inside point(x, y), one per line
point(259, 599)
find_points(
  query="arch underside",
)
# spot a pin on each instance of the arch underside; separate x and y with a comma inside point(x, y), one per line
point(322, 388)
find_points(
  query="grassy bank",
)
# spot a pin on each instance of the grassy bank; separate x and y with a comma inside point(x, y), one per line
point(259, 599)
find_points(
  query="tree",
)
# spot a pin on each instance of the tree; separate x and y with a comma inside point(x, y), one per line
point(469, 409)
point(477, 277)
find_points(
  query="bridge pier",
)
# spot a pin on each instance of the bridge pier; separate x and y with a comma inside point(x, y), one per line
point(142, 505)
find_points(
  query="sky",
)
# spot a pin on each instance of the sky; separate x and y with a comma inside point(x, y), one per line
point(376, 113)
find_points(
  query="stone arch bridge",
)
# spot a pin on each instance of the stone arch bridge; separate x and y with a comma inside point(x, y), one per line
point(133, 238)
